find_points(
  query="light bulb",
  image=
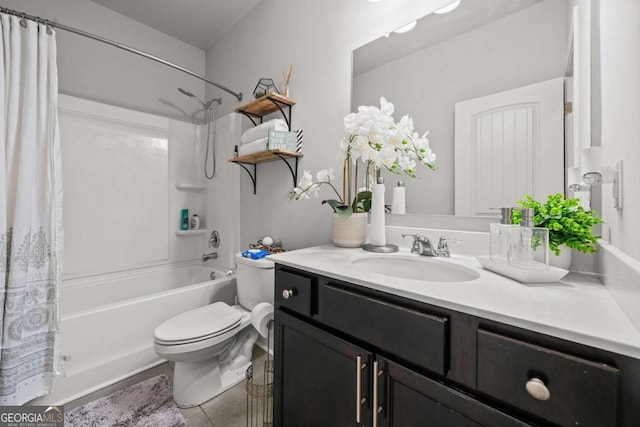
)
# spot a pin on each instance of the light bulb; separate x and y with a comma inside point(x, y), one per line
point(406, 28)
point(448, 8)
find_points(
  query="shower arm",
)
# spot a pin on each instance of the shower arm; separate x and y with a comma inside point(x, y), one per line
point(124, 47)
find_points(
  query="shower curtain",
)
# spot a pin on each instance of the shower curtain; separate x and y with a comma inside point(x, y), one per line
point(30, 210)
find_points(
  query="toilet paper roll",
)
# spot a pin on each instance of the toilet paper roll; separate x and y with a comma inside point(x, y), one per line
point(260, 317)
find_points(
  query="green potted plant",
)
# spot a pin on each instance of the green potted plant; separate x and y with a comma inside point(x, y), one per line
point(568, 223)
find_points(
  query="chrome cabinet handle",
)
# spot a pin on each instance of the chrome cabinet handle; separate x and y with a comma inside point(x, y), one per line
point(288, 293)
point(376, 409)
point(538, 389)
point(359, 399)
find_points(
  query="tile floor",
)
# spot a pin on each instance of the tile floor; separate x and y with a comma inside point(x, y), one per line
point(226, 410)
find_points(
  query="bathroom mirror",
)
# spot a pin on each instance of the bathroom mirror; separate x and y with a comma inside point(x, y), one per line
point(481, 50)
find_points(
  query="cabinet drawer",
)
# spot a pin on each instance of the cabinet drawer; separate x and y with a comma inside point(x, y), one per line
point(411, 335)
point(580, 392)
point(294, 292)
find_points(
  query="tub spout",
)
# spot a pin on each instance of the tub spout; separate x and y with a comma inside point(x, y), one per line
point(210, 255)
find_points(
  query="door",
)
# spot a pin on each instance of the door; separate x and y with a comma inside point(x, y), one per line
point(316, 381)
point(407, 399)
point(508, 145)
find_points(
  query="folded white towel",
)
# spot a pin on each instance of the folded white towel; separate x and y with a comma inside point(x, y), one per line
point(262, 130)
point(253, 147)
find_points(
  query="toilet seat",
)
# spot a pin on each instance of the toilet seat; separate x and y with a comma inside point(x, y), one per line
point(204, 323)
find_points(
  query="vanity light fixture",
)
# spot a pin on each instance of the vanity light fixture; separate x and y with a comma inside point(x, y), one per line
point(448, 8)
point(406, 28)
point(595, 173)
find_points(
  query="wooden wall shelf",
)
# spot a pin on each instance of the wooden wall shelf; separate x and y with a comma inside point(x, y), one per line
point(265, 157)
point(267, 104)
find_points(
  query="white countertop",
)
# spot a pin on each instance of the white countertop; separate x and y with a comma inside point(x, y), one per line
point(578, 308)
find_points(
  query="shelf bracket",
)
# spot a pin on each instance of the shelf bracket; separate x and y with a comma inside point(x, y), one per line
point(252, 117)
point(278, 104)
point(294, 172)
point(254, 176)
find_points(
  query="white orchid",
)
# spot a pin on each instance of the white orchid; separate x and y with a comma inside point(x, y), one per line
point(325, 175)
point(372, 136)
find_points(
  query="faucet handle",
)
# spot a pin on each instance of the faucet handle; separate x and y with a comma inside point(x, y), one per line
point(443, 245)
point(415, 245)
point(445, 240)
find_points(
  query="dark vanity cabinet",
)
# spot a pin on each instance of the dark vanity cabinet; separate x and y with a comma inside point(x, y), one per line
point(347, 355)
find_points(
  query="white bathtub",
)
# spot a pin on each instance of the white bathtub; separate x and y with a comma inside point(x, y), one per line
point(107, 321)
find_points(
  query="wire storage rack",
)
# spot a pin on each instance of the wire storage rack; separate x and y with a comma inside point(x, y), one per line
point(260, 391)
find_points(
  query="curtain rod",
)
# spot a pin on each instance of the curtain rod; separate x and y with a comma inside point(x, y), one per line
point(120, 46)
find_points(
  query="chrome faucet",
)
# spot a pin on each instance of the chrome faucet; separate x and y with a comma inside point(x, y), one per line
point(210, 255)
point(443, 246)
point(421, 245)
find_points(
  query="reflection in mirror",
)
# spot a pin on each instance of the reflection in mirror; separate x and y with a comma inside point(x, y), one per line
point(474, 78)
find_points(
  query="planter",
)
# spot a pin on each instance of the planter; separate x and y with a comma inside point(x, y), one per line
point(563, 260)
point(350, 232)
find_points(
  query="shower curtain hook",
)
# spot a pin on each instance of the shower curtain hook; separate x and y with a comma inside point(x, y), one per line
point(23, 21)
point(49, 30)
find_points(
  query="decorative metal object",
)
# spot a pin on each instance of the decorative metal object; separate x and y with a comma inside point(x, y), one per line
point(265, 86)
point(260, 393)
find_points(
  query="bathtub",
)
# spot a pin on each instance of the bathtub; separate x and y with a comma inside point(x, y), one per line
point(107, 321)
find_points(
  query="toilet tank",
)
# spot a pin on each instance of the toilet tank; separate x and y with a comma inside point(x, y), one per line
point(255, 281)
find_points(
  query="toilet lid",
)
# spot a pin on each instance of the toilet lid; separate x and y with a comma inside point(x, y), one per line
point(203, 322)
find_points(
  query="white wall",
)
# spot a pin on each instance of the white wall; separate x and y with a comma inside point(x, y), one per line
point(520, 49)
point(121, 206)
point(91, 70)
point(620, 113)
point(99, 72)
point(317, 37)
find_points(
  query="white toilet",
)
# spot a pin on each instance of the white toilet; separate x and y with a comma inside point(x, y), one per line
point(212, 345)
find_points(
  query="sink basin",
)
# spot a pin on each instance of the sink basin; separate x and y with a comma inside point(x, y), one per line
point(415, 267)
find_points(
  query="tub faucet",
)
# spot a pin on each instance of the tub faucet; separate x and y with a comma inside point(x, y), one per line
point(421, 245)
point(210, 255)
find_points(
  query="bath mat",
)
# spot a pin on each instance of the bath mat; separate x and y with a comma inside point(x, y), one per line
point(146, 404)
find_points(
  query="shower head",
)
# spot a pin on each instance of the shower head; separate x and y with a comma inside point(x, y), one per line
point(186, 92)
point(205, 105)
point(190, 95)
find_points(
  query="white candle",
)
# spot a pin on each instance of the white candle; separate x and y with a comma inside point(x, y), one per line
point(377, 235)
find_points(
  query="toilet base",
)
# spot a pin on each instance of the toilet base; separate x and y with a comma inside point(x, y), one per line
point(199, 381)
point(194, 385)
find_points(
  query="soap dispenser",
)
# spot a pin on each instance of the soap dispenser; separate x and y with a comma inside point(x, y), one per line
point(529, 245)
point(499, 234)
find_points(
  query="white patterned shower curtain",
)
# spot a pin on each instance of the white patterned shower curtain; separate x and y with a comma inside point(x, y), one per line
point(30, 210)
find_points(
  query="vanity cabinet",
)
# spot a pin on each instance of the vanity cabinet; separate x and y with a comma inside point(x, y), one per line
point(319, 377)
point(349, 355)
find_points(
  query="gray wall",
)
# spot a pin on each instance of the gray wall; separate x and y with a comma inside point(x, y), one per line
point(523, 48)
point(619, 44)
point(95, 71)
point(317, 37)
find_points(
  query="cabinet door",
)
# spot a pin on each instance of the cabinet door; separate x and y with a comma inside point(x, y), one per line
point(408, 399)
point(316, 382)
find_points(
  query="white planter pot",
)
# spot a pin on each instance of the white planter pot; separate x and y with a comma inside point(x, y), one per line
point(563, 260)
point(350, 232)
